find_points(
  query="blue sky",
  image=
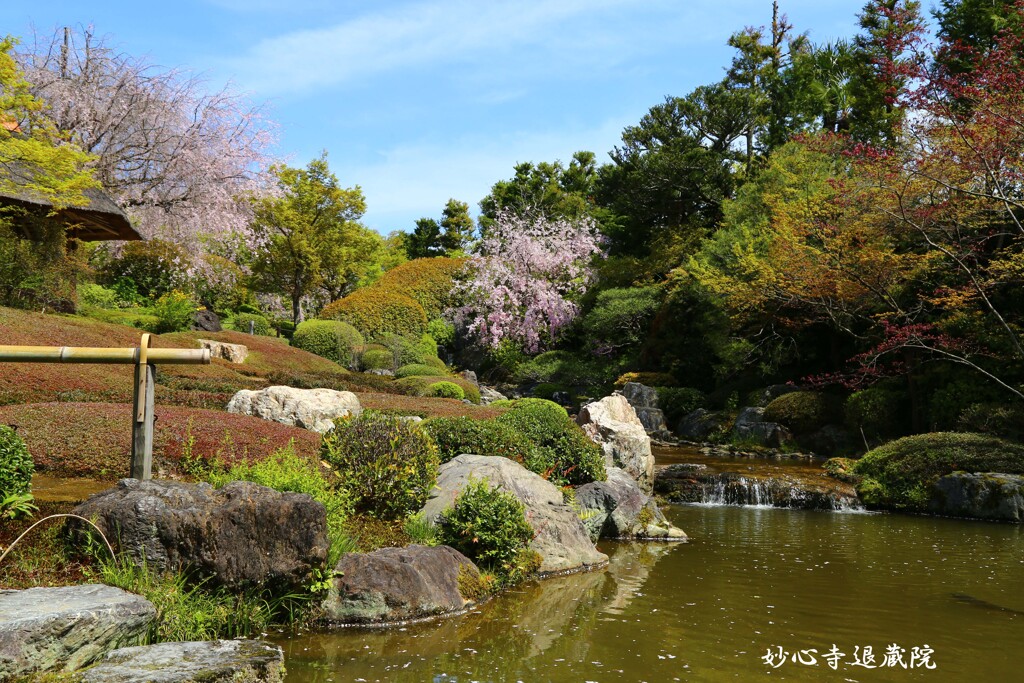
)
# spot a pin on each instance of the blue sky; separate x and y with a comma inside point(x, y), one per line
point(424, 100)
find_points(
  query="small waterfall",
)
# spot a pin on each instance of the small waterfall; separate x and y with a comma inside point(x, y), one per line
point(680, 484)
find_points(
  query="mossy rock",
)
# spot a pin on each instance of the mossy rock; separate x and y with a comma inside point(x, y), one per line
point(901, 474)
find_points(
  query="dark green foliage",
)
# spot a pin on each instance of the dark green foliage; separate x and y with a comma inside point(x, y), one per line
point(900, 474)
point(876, 412)
point(618, 322)
point(677, 402)
point(1004, 421)
point(388, 466)
point(455, 436)
point(446, 390)
point(568, 454)
point(560, 367)
point(331, 339)
point(261, 326)
point(441, 331)
point(547, 390)
point(16, 465)
point(803, 412)
point(487, 525)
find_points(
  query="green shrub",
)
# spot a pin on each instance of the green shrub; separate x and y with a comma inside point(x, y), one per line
point(547, 390)
point(488, 525)
point(568, 455)
point(387, 465)
point(261, 326)
point(620, 319)
point(446, 390)
point(132, 317)
point(221, 284)
point(416, 370)
point(98, 296)
point(409, 350)
point(378, 313)
point(457, 435)
point(876, 412)
point(803, 412)
point(900, 474)
point(430, 282)
point(419, 385)
point(442, 331)
point(552, 366)
point(284, 470)
point(16, 465)
point(437, 363)
point(376, 359)
point(677, 402)
point(174, 311)
point(329, 339)
point(998, 419)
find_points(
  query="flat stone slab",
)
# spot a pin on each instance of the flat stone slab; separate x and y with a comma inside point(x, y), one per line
point(237, 661)
point(64, 629)
point(232, 353)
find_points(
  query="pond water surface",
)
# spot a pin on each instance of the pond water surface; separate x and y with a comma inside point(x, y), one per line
point(750, 579)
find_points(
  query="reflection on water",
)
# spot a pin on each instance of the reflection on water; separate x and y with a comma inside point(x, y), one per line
point(749, 579)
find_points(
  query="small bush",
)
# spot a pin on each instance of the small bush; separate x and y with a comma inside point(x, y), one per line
point(446, 390)
point(16, 465)
point(430, 282)
point(803, 412)
point(554, 367)
point(261, 326)
point(442, 331)
point(378, 313)
point(651, 379)
point(416, 370)
point(457, 435)
point(98, 296)
point(677, 402)
point(900, 474)
point(409, 350)
point(437, 363)
point(329, 339)
point(569, 456)
point(488, 525)
point(417, 385)
point(174, 312)
point(376, 359)
point(155, 267)
point(388, 466)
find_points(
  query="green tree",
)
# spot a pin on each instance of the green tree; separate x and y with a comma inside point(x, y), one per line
point(458, 227)
point(974, 25)
point(549, 189)
point(425, 240)
point(307, 232)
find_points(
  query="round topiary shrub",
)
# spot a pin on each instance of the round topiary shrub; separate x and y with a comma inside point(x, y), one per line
point(331, 339)
point(488, 525)
point(418, 385)
point(260, 325)
point(900, 474)
point(804, 412)
point(457, 435)
point(446, 390)
point(568, 455)
point(417, 370)
point(16, 465)
point(430, 282)
point(650, 379)
point(387, 465)
point(378, 313)
point(376, 359)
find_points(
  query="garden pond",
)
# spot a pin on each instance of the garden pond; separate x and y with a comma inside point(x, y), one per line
point(751, 580)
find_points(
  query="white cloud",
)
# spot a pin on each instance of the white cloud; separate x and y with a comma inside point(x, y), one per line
point(429, 34)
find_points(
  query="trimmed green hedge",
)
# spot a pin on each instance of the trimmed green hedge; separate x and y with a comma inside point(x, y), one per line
point(446, 390)
point(420, 386)
point(261, 327)
point(417, 370)
point(378, 313)
point(568, 455)
point(457, 435)
point(900, 474)
point(331, 339)
point(377, 359)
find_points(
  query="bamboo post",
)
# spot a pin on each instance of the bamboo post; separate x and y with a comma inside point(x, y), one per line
point(145, 360)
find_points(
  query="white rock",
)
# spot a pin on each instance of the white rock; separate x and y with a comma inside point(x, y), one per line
point(233, 353)
point(313, 409)
point(612, 424)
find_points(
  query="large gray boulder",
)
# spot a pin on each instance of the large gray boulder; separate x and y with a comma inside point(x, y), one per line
point(980, 495)
point(560, 537)
point(206, 320)
point(240, 535)
point(489, 395)
point(399, 584)
point(617, 508)
point(313, 409)
point(751, 426)
point(214, 661)
point(232, 353)
point(613, 425)
point(64, 629)
point(644, 400)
